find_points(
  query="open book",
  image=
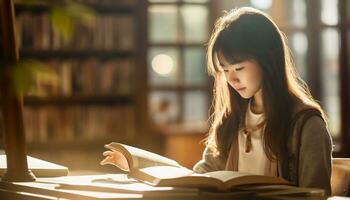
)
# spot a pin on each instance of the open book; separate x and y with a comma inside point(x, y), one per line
point(157, 170)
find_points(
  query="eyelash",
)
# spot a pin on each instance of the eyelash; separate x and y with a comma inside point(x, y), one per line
point(237, 69)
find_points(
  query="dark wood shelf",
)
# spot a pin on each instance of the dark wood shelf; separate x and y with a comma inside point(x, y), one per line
point(177, 44)
point(77, 144)
point(70, 53)
point(79, 100)
point(101, 9)
point(179, 87)
point(180, 3)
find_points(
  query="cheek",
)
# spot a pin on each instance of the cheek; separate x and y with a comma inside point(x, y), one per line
point(252, 79)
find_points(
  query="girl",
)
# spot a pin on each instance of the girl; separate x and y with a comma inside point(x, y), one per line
point(264, 119)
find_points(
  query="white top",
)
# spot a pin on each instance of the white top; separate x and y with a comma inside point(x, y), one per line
point(255, 161)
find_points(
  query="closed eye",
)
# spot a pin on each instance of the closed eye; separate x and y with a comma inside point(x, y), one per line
point(239, 68)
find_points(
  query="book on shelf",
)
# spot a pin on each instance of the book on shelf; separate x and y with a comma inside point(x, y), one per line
point(157, 170)
point(92, 2)
point(107, 31)
point(89, 77)
point(94, 71)
point(68, 123)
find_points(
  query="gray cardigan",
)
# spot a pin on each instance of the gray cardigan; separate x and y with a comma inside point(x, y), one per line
point(309, 161)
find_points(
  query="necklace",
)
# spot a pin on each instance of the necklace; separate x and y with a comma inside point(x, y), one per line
point(248, 132)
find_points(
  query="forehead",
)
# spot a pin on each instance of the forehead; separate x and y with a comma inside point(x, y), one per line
point(222, 63)
point(223, 60)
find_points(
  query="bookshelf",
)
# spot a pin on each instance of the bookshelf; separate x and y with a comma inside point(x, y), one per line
point(99, 95)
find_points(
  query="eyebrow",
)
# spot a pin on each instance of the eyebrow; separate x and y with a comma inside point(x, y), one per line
point(223, 66)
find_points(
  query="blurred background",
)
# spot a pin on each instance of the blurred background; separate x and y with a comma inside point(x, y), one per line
point(134, 71)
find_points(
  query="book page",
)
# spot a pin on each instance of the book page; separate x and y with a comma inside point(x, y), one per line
point(166, 172)
point(142, 158)
point(226, 175)
point(175, 177)
point(119, 183)
point(234, 178)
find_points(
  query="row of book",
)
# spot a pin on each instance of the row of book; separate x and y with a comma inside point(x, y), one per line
point(85, 77)
point(92, 2)
point(104, 32)
point(109, 2)
point(85, 123)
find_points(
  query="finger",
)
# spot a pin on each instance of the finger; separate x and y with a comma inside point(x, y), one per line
point(107, 153)
point(107, 160)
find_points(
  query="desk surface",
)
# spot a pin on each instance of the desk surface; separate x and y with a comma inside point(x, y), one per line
point(107, 186)
point(117, 186)
point(104, 187)
point(39, 167)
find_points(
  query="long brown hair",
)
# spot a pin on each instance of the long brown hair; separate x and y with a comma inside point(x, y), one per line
point(247, 33)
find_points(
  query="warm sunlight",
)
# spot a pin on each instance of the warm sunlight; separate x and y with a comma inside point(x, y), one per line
point(162, 64)
point(167, 171)
point(261, 4)
point(174, 99)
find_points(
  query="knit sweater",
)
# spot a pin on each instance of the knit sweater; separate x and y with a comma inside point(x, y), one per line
point(309, 160)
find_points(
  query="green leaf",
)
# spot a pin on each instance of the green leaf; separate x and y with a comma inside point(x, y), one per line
point(62, 22)
point(22, 78)
point(81, 12)
point(26, 72)
point(62, 18)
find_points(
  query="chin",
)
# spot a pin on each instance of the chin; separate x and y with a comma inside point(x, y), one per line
point(246, 96)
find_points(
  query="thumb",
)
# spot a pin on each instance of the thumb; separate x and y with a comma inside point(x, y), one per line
point(105, 161)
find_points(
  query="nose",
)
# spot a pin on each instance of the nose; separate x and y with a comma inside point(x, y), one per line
point(232, 77)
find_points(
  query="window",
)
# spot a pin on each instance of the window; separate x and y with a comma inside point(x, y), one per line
point(313, 37)
point(313, 29)
point(178, 83)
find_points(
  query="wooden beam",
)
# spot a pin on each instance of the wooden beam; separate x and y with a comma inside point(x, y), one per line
point(12, 103)
point(313, 9)
point(344, 72)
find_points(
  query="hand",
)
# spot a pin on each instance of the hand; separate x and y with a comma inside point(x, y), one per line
point(115, 158)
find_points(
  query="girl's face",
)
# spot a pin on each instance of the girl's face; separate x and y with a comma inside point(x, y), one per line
point(245, 77)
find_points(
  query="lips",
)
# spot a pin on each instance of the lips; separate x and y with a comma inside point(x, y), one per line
point(240, 89)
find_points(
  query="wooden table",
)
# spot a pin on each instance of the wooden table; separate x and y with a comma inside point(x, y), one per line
point(99, 187)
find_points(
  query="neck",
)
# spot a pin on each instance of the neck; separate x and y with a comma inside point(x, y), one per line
point(257, 106)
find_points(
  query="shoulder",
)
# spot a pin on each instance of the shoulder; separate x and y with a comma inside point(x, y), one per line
point(307, 117)
point(315, 129)
point(308, 123)
point(300, 108)
point(303, 113)
point(310, 126)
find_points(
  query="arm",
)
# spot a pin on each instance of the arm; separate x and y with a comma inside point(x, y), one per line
point(315, 156)
point(209, 163)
